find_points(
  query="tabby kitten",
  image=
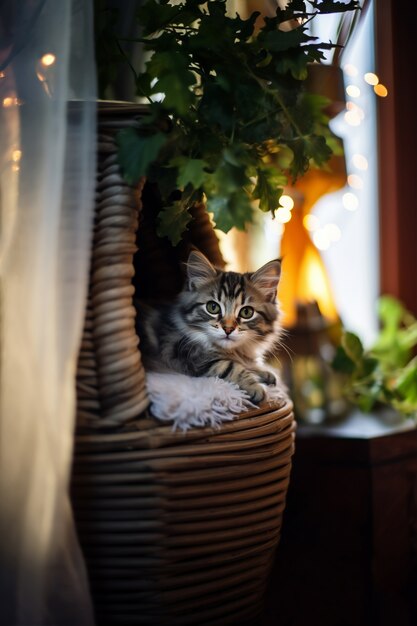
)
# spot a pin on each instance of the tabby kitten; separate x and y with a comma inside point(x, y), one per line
point(221, 324)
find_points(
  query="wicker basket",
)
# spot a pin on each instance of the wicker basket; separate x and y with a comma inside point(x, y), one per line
point(176, 528)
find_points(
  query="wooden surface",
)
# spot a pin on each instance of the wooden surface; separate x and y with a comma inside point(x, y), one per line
point(348, 554)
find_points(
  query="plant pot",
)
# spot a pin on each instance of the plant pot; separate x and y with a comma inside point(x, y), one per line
point(175, 528)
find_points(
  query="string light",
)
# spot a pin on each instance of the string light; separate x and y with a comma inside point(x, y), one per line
point(371, 78)
point(311, 222)
point(381, 90)
point(352, 106)
point(286, 202)
point(16, 155)
point(44, 71)
point(2, 75)
point(353, 91)
point(8, 102)
point(350, 69)
point(354, 114)
point(283, 215)
point(352, 118)
point(350, 201)
point(355, 181)
point(333, 232)
point(321, 239)
point(360, 162)
point(48, 59)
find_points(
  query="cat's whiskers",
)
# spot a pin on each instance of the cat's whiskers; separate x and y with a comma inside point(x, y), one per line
point(222, 324)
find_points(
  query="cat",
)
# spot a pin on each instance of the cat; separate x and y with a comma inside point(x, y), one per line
point(221, 324)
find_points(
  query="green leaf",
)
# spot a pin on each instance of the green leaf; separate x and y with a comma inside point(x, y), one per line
point(216, 106)
point(268, 189)
point(172, 222)
point(318, 150)
point(365, 403)
point(190, 171)
point(281, 40)
point(219, 207)
point(244, 28)
point(173, 80)
point(300, 162)
point(226, 180)
point(390, 312)
point(342, 363)
point(353, 346)
point(217, 8)
point(406, 383)
point(137, 152)
point(368, 366)
point(331, 6)
point(230, 211)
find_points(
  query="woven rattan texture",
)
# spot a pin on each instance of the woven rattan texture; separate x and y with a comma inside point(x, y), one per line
point(110, 378)
point(179, 528)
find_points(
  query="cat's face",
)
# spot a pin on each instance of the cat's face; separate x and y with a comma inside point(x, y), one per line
point(230, 310)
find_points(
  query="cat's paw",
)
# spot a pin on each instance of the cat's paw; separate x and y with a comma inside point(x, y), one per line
point(254, 390)
point(266, 377)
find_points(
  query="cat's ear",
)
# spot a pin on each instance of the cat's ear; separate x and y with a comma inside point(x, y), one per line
point(199, 270)
point(266, 278)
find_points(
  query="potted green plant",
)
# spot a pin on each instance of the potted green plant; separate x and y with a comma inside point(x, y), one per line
point(386, 372)
point(229, 119)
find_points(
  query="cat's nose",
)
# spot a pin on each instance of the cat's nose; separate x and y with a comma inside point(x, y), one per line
point(228, 329)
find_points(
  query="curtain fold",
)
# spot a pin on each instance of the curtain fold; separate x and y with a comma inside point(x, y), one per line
point(47, 178)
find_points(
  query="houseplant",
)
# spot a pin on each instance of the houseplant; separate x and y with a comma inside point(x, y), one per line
point(386, 372)
point(229, 118)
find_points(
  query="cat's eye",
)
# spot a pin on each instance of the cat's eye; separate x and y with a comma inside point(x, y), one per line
point(246, 312)
point(213, 307)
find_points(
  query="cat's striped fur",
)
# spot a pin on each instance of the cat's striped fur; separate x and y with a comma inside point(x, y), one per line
point(209, 330)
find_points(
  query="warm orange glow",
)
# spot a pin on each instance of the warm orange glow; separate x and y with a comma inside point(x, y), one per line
point(48, 59)
point(371, 78)
point(314, 285)
point(311, 222)
point(16, 155)
point(381, 90)
point(304, 274)
point(8, 102)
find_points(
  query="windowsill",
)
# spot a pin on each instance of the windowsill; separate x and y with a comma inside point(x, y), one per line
point(359, 425)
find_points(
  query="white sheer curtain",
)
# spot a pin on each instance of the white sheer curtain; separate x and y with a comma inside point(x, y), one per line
point(47, 171)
